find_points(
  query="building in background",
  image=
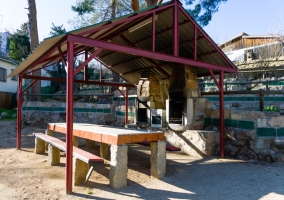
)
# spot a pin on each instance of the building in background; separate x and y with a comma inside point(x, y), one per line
point(3, 43)
point(246, 47)
point(6, 67)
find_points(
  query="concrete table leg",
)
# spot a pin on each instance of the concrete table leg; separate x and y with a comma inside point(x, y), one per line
point(50, 133)
point(39, 146)
point(158, 159)
point(53, 155)
point(90, 143)
point(104, 152)
point(75, 141)
point(80, 171)
point(118, 166)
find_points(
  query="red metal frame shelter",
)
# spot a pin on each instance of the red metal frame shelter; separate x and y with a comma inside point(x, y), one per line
point(155, 39)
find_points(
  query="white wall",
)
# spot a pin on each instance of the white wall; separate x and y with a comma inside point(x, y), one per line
point(10, 85)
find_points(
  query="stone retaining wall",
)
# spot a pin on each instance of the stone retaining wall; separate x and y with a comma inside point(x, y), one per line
point(41, 113)
point(250, 134)
point(198, 143)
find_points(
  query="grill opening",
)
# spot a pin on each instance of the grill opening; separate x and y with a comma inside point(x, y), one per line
point(175, 111)
point(142, 115)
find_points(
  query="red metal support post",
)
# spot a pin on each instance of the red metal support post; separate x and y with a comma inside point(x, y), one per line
point(62, 56)
point(195, 42)
point(19, 112)
point(222, 124)
point(31, 84)
point(101, 71)
point(86, 67)
point(69, 116)
point(214, 78)
point(175, 29)
point(153, 31)
point(126, 106)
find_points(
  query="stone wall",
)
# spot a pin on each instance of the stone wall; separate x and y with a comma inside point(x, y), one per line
point(152, 88)
point(250, 134)
point(41, 113)
point(199, 143)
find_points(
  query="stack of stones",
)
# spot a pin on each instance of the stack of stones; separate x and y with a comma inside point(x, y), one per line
point(153, 89)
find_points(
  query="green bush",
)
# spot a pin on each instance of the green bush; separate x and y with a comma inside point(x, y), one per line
point(9, 112)
point(272, 108)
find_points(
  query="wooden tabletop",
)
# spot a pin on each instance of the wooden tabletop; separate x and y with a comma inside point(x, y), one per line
point(109, 134)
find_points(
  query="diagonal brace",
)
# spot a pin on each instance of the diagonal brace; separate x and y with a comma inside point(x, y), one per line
point(87, 61)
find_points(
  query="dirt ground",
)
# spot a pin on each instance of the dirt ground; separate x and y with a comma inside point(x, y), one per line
point(25, 175)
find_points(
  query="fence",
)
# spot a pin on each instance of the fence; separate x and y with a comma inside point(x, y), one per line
point(7, 100)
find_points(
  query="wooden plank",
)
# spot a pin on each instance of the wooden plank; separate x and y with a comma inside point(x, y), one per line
point(78, 153)
point(109, 135)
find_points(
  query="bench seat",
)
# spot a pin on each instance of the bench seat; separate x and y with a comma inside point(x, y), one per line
point(82, 169)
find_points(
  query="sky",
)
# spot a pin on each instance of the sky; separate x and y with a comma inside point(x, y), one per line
point(254, 17)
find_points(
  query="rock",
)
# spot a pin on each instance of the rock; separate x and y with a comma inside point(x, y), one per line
point(14, 115)
point(239, 142)
point(276, 121)
point(210, 137)
point(38, 118)
point(28, 122)
point(4, 114)
point(264, 155)
point(242, 135)
point(215, 128)
point(252, 135)
point(207, 128)
point(231, 149)
point(242, 157)
point(260, 144)
point(244, 151)
point(82, 100)
point(231, 133)
point(35, 123)
point(277, 156)
point(279, 143)
point(252, 155)
point(281, 106)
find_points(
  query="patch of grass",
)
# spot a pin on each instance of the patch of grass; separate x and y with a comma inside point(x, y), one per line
point(9, 112)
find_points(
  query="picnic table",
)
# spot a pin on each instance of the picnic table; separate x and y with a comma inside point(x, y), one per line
point(118, 138)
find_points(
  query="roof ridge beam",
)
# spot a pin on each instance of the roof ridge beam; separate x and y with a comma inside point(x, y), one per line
point(145, 53)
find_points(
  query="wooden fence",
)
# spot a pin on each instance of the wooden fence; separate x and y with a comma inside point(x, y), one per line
point(7, 100)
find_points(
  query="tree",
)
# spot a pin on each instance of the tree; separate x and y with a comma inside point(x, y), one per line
point(107, 9)
point(100, 10)
point(203, 10)
point(19, 46)
point(34, 43)
point(57, 30)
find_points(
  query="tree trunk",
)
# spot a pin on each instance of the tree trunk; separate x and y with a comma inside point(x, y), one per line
point(36, 88)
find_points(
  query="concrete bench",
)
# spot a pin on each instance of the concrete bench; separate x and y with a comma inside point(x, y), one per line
point(83, 164)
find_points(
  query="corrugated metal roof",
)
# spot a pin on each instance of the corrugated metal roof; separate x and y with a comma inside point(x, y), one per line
point(129, 66)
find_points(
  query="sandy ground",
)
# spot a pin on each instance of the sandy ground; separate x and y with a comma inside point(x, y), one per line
point(25, 175)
